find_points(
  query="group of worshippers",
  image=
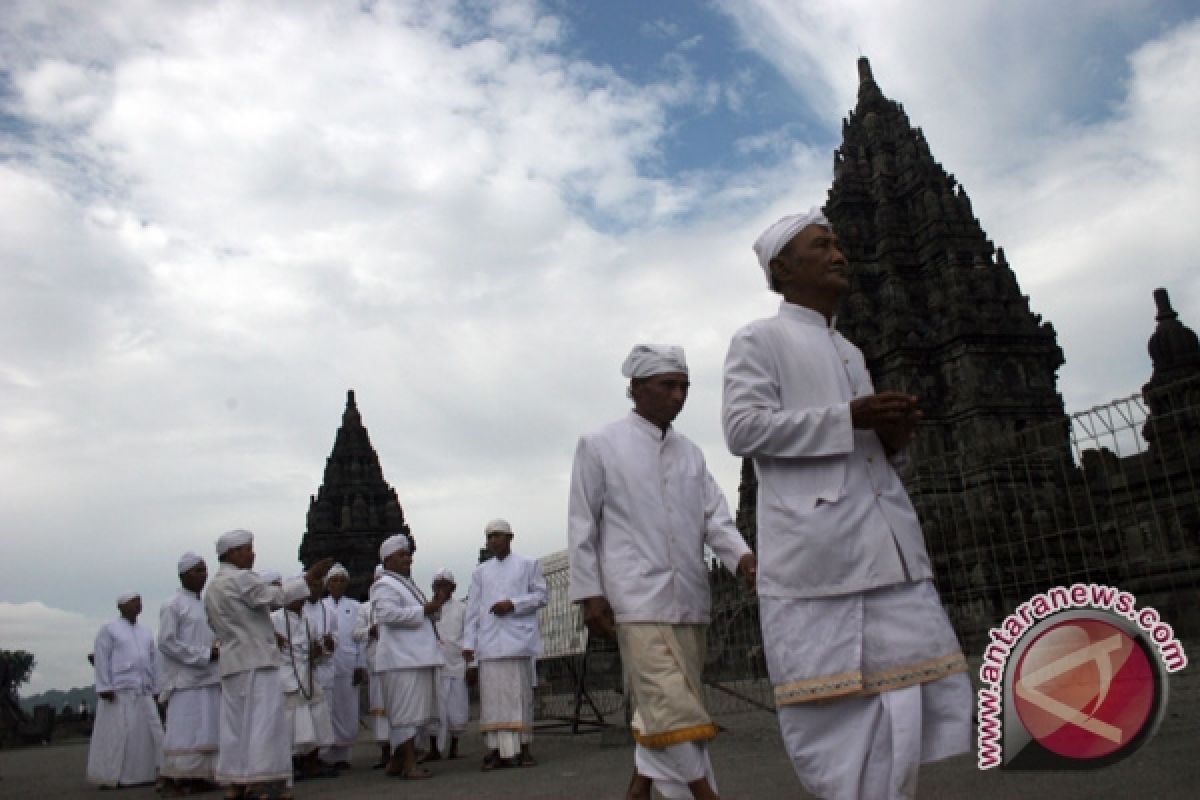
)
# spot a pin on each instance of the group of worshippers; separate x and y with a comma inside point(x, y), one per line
point(259, 676)
point(869, 678)
point(418, 689)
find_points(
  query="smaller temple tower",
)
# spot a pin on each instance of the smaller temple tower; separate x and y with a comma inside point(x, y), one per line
point(1173, 392)
point(354, 509)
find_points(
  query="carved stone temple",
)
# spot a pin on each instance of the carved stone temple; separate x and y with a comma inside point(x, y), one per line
point(354, 509)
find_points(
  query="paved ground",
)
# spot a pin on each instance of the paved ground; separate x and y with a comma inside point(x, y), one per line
point(748, 758)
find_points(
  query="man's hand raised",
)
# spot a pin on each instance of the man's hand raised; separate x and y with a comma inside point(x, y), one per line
point(315, 575)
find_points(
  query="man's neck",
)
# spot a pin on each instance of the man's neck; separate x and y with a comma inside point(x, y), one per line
point(662, 426)
point(825, 306)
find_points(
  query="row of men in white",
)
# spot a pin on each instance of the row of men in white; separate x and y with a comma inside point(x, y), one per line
point(410, 647)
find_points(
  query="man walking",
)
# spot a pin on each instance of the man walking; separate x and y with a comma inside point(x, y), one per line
point(642, 508)
point(868, 675)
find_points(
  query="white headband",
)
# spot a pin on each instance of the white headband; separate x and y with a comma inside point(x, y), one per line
point(771, 242)
point(189, 560)
point(393, 544)
point(645, 360)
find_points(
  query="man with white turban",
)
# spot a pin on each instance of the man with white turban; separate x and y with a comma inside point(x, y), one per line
point(869, 677)
point(642, 507)
point(126, 743)
point(407, 656)
point(254, 752)
point(452, 684)
point(500, 632)
point(191, 683)
point(366, 633)
point(305, 711)
point(349, 670)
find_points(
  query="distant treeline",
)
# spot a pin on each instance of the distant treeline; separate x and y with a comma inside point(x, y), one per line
point(56, 697)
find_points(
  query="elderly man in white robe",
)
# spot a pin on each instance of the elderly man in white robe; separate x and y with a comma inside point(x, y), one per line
point(127, 736)
point(254, 753)
point(366, 633)
point(869, 677)
point(191, 683)
point(452, 684)
point(323, 626)
point(642, 508)
point(349, 670)
point(407, 656)
point(501, 634)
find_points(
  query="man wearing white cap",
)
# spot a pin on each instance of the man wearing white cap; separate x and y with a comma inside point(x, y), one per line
point(191, 683)
point(126, 743)
point(500, 632)
point(407, 656)
point(643, 505)
point(869, 678)
point(254, 749)
point(366, 633)
point(452, 683)
point(349, 667)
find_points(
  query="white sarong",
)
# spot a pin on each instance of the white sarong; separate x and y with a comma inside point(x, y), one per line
point(410, 697)
point(193, 731)
point(377, 712)
point(455, 703)
point(126, 741)
point(255, 743)
point(889, 667)
point(506, 704)
point(344, 713)
point(673, 767)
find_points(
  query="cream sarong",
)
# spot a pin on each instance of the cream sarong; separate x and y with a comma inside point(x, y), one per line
point(663, 665)
point(126, 741)
point(193, 730)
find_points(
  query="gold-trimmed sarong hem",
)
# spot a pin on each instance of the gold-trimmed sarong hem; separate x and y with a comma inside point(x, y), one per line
point(694, 733)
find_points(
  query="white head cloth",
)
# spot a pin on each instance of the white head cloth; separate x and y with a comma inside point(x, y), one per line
point(443, 574)
point(498, 526)
point(771, 242)
point(189, 560)
point(645, 360)
point(125, 598)
point(394, 544)
point(233, 539)
point(334, 571)
point(271, 576)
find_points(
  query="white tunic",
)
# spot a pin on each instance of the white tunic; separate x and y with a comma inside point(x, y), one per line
point(343, 613)
point(642, 507)
point(450, 627)
point(185, 641)
point(238, 602)
point(514, 578)
point(125, 658)
point(321, 621)
point(407, 639)
point(833, 517)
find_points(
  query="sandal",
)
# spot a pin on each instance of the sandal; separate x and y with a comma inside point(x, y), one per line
point(526, 760)
point(493, 761)
point(416, 774)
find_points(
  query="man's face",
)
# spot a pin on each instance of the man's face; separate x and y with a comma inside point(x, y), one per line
point(660, 398)
point(812, 265)
point(337, 586)
point(399, 561)
point(441, 585)
point(241, 557)
point(131, 608)
point(296, 606)
point(499, 544)
point(194, 579)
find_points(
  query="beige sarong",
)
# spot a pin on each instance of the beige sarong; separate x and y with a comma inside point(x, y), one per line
point(663, 665)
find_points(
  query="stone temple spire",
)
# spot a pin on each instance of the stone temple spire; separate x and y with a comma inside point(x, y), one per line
point(354, 509)
point(1174, 388)
point(933, 303)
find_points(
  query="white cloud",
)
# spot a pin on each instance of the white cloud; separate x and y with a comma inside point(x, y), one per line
point(59, 641)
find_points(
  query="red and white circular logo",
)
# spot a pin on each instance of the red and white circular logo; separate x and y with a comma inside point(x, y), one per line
point(1085, 689)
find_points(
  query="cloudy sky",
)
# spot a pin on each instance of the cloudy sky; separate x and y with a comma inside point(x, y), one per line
point(215, 218)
